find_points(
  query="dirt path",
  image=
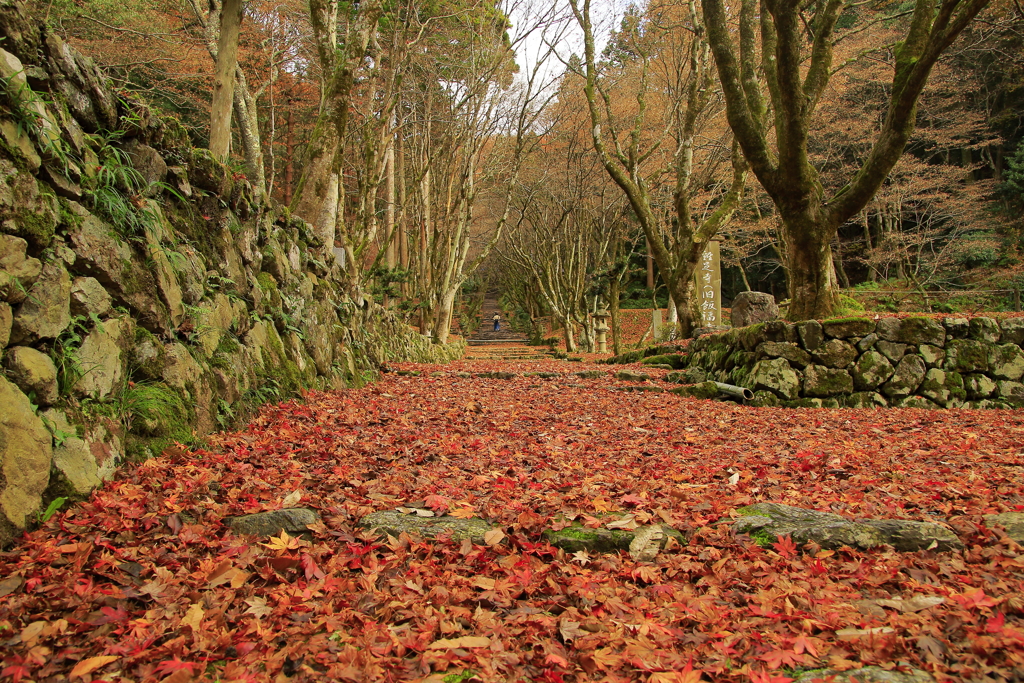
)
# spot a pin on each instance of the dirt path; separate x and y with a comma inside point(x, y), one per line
point(145, 582)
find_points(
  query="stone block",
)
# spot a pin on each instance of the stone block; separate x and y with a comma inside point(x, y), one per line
point(25, 455)
point(46, 310)
point(822, 382)
point(750, 308)
point(835, 353)
point(34, 373)
point(846, 328)
point(777, 376)
point(984, 329)
point(871, 370)
point(907, 377)
point(916, 331)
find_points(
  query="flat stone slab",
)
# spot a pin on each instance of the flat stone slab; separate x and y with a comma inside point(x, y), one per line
point(591, 374)
point(577, 537)
point(273, 522)
point(628, 376)
point(394, 523)
point(496, 375)
point(869, 674)
point(542, 375)
point(1013, 522)
point(833, 531)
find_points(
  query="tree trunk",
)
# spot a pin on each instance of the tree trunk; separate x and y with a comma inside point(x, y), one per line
point(812, 287)
point(224, 79)
point(613, 308)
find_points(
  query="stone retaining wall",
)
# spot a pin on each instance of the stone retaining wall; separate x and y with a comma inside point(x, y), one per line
point(862, 362)
point(134, 316)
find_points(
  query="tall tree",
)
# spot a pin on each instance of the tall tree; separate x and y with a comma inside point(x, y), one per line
point(797, 42)
point(673, 36)
point(224, 78)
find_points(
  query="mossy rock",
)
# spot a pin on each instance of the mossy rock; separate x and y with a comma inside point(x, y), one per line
point(590, 374)
point(577, 537)
point(394, 523)
point(627, 376)
point(641, 387)
point(687, 376)
point(542, 375)
point(844, 328)
point(704, 390)
point(496, 375)
point(675, 361)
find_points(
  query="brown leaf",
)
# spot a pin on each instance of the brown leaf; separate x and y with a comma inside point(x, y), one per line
point(87, 666)
point(462, 641)
point(10, 584)
point(494, 537)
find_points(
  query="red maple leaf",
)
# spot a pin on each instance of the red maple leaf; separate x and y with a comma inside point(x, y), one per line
point(785, 547)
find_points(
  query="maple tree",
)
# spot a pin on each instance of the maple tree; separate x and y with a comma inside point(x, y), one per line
point(144, 580)
point(791, 33)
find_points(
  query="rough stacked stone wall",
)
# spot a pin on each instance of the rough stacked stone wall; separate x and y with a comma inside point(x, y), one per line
point(861, 362)
point(118, 338)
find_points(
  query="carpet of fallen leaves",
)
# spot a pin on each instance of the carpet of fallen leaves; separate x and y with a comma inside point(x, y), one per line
point(143, 582)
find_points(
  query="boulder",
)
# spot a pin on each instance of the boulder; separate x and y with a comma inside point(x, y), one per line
point(945, 388)
point(1011, 392)
point(687, 376)
point(871, 370)
point(916, 402)
point(933, 356)
point(764, 399)
point(394, 523)
point(148, 162)
point(916, 331)
point(978, 386)
point(34, 373)
point(6, 321)
point(822, 382)
point(750, 308)
point(907, 377)
point(835, 353)
point(891, 350)
point(1007, 362)
point(833, 531)
point(788, 350)
point(294, 521)
point(888, 329)
point(624, 375)
point(956, 328)
point(180, 369)
point(207, 173)
point(865, 399)
point(89, 298)
point(84, 462)
point(28, 209)
point(1013, 522)
point(1012, 331)
point(101, 358)
point(25, 456)
point(46, 310)
point(777, 376)
point(846, 328)
point(984, 330)
point(811, 334)
point(702, 390)
point(574, 538)
point(18, 271)
point(867, 342)
point(967, 355)
point(867, 674)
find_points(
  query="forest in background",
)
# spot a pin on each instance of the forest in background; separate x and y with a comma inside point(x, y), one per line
point(467, 163)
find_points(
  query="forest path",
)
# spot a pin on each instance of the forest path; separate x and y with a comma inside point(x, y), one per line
point(145, 580)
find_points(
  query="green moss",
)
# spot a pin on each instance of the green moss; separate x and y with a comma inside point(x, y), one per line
point(763, 538)
point(847, 305)
point(840, 321)
point(749, 511)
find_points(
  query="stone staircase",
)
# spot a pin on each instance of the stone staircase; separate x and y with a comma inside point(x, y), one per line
point(505, 344)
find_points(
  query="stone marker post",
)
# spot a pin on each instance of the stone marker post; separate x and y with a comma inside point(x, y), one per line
point(601, 330)
point(709, 286)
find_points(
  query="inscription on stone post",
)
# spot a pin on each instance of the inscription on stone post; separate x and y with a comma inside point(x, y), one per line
point(709, 286)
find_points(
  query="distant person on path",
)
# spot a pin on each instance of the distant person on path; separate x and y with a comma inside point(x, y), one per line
point(497, 322)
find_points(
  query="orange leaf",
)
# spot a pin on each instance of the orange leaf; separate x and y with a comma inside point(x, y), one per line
point(87, 666)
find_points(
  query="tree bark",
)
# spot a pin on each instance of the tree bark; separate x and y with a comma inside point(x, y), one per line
point(224, 79)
